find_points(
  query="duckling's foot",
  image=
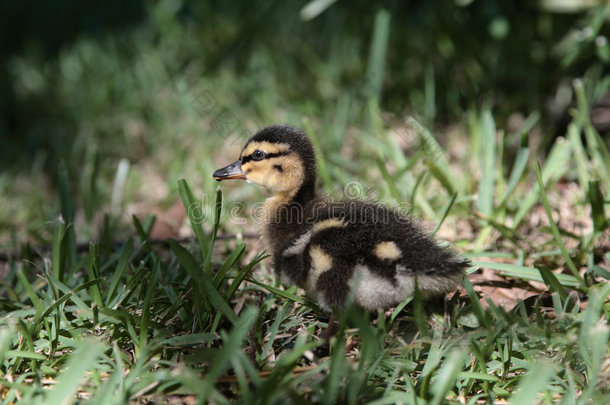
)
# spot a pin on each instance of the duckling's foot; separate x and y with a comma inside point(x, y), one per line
point(325, 336)
point(321, 351)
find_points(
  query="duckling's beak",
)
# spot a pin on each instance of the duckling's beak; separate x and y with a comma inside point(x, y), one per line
point(232, 171)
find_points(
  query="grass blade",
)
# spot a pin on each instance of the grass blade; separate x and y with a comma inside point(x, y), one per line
point(399, 308)
point(593, 340)
point(231, 344)
point(477, 308)
point(578, 151)
point(320, 160)
point(512, 235)
point(527, 273)
point(93, 273)
point(67, 212)
point(555, 229)
point(147, 304)
point(194, 210)
point(143, 230)
point(552, 283)
point(81, 360)
point(419, 314)
point(596, 200)
point(336, 369)
point(276, 291)
point(377, 54)
point(228, 264)
point(554, 168)
point(445, 213)
point(217, 212)
point(58, 256)
point(6, 336)
point(435, 158)
point(447, 375)
point(388, 179)
point(243, 273)
point(533, 383)
point(203, 280)
point(282, 312)
point(36, 301)
point(314, 8)
point(24, 355)
point(488, 163)
point(119, 271)
point(192, 267)
point(441, 175)
point(518, 169)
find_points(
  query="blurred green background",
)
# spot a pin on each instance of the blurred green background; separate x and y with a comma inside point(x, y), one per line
point(172, 88)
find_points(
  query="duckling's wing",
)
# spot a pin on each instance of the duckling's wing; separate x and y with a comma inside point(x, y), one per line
point(386, 251)
point(291, 260)
point(372, 234)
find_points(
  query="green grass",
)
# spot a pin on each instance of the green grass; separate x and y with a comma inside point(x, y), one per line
point(93, 309)
point(150, 322)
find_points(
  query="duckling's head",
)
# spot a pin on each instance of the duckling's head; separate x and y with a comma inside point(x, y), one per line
point(278, 157)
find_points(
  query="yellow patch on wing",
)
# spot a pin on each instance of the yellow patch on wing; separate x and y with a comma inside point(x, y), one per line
point(267, 147)
point(320, 262)
point(387, 251)
point(329, 223)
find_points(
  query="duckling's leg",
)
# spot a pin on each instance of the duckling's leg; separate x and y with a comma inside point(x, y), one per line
point(330, 331)
point(333, 286)
point(327, 334)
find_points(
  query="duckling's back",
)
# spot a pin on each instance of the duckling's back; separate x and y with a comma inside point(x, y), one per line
point(364, 246)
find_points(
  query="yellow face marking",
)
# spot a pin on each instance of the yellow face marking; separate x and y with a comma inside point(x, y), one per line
point(320, 262)
point(329, 223)
point(266, 147)
point(283, 175)
point(387, 251)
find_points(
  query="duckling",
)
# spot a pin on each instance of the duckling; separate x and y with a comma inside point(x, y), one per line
point(334, 248)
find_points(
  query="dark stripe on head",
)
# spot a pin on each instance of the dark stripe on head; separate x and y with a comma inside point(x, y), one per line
point(245, 159)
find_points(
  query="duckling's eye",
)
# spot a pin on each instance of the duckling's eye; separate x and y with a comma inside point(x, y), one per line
point(258, 155)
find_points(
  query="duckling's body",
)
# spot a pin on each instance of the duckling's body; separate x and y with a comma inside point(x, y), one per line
point(331, 247)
